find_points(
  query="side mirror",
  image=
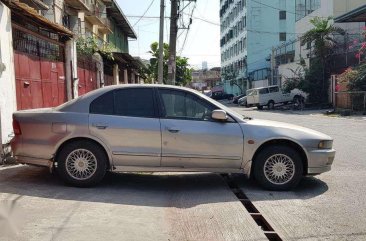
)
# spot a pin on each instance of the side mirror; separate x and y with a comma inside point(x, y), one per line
point(219, 115)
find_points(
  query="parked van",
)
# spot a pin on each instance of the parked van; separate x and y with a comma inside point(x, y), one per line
point(269, 96)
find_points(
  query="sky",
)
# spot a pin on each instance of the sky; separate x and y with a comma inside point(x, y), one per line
point(203, 39)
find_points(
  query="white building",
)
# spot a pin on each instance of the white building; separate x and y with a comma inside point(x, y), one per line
point(289, 55)
point(7, 81)
point(249, 29)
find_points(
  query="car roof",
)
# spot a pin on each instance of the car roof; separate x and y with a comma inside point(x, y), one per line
point(82, 103)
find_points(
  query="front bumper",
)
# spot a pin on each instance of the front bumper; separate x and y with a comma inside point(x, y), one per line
point(320, 161)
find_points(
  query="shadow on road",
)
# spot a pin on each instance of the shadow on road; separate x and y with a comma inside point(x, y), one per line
point(309, 187)
point(167, 190)
point(158, 190)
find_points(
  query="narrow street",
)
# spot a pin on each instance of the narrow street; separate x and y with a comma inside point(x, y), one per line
point(198, 206)
point(330, 206)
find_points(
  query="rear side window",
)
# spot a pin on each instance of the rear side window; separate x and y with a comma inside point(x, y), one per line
point(137, 102)
point(274, 89)
point(263, 91)
point(103, 104)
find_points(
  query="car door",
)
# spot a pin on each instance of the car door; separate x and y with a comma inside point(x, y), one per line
point(126, 121)
point(276, 96)
point(191, 139)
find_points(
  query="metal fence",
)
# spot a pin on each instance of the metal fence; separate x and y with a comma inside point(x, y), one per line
point(351, 100)
point(27, 43)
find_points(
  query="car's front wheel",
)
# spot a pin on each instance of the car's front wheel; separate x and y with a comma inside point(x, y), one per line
point(82, 163)
point(278, 168)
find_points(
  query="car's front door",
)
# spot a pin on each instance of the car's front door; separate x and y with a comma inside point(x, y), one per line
point(126, 121)
point(191, 139)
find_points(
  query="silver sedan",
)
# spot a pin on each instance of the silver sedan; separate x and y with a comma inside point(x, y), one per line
point(157, 128)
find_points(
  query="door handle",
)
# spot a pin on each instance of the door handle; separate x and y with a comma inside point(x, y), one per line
point(173, 129)
point(101, 126)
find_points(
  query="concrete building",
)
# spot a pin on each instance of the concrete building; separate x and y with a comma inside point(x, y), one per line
point(288, 56)
point(249, 29)
point(7, 80)
point(205, 79)
point(40, 65)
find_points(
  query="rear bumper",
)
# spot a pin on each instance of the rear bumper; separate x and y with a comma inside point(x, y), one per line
point(320, 161)
point(34, 161)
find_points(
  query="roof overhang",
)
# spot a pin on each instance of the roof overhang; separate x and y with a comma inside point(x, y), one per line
point(116, 12)
point(24, 10)
point(356, 15)
point(127, 60)
point(36, 4)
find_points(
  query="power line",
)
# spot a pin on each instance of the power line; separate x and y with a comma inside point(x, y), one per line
point(144, 13)
point(185, 39)
point(273, 7)
point(142, 16)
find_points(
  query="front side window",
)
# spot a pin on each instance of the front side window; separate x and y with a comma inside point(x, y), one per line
point(182, 105)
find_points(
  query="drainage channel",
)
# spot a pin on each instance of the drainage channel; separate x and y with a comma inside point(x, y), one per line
point(252, 210)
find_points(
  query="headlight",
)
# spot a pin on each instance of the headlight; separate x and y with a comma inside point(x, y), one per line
point(325, 145)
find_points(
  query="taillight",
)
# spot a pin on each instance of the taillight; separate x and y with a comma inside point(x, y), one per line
point(16, 127)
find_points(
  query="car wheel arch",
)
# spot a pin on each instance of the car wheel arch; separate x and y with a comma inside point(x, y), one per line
point(74, 139)
point(286, 142)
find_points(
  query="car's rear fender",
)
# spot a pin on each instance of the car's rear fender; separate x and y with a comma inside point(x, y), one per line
point(71, 139)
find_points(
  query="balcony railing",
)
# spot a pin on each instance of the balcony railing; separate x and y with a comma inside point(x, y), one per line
point(106, 26)
point(85, 5)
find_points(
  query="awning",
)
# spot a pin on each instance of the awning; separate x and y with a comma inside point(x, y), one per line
point(356, 15)
point(24, 10)
point(116, 12)
point(128, 61)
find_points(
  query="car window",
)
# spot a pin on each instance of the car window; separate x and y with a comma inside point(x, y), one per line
point(137, 102)
point(103, 104)
point(274, 89)
point(182, 105)
point(263, 91)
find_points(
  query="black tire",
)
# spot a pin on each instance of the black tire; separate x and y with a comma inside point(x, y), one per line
point(100, 160)
point(260, 107)
point(270, 104)
point(263, 179)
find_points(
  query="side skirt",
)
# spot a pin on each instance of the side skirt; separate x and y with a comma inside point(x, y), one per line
point(173, 169)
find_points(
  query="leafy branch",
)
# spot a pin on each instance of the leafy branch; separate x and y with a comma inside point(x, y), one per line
point(90, 45)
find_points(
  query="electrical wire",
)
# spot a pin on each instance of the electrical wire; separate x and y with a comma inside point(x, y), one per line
point(144, 13)
point(185, 38)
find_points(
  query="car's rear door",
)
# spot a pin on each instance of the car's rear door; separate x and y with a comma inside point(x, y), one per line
point(126, 121)
point(191, 139)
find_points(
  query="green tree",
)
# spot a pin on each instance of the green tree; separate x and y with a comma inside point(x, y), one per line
point(322, 36)
point(183, 70)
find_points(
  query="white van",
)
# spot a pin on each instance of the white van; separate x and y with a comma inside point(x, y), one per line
point(269, 96)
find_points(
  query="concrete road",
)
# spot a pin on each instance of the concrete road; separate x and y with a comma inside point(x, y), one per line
point(37, 206)
point(331, 206)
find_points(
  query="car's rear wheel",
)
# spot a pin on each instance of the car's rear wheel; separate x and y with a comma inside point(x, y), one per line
point(82, 163)
point(278, 168)
point(260, 107)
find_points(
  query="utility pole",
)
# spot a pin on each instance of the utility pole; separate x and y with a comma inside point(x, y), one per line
point(161, 44)
point(173, 41)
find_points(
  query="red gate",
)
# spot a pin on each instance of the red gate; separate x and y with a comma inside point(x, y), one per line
point(39, 72)
point(87, 74)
